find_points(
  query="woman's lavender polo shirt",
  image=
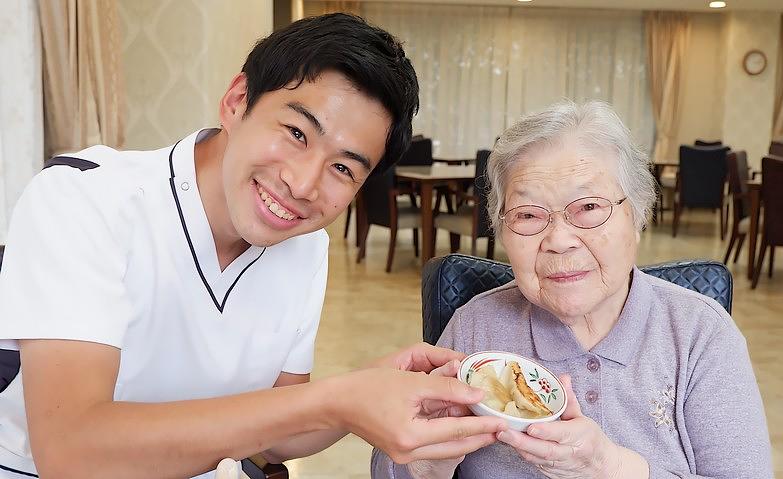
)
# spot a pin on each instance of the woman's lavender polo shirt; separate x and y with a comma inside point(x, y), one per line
point(672, 381)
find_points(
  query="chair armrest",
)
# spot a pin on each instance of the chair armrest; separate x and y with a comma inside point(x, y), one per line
point(257, 468)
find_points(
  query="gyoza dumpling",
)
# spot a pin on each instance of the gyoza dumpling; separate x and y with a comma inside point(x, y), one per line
point(511, 409)
point(507, 378)
point(496, 396)
point(528, 402)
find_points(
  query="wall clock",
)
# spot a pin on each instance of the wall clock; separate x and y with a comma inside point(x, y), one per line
point(754, 62)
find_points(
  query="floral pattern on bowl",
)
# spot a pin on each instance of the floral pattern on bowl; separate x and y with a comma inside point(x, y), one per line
point(542, 381)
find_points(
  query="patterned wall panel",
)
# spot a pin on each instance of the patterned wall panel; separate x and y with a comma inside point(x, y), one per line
point(174, 55)
point(747, 122)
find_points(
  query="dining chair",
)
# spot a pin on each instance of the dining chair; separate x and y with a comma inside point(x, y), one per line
point(380, 206)
point(772, 225)
point(776, 148)
point(708, 143)
point(471, 218)
point(420, 154)
point(700, 182)
point(737, 168)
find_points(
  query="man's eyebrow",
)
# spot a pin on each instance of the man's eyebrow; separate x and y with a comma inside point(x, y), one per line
point(358, 158)
point(302, 110)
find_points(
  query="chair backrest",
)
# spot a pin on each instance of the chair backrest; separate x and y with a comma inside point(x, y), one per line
point(702, 176)
point(776, 148)
point(708, 143)
point(450, 281)
point(481, 190)
point(376, 198)
point(772, 196)
point(418, 154)
point(737, 166)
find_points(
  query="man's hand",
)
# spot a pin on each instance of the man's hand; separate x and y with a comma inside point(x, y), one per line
point(441, 468)
point(408, 415)
point(421, 357)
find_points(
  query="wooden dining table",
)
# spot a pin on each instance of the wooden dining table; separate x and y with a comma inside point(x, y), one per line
point(427, 177)
point(454, 161)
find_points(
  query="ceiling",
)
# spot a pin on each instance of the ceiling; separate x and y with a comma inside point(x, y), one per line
point(686, 5)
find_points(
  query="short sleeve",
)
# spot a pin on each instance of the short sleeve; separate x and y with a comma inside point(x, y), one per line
point(62, 273)
point(300, 358)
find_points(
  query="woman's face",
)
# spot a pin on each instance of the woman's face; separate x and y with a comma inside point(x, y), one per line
point(566, 270)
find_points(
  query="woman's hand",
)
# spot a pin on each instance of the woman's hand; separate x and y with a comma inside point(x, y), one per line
point(574, 447)
point(442, 468)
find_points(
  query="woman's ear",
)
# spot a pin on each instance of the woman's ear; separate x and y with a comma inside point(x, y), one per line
point(234, 102)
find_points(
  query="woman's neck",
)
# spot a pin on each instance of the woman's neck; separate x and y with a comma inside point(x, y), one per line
point(591, 328)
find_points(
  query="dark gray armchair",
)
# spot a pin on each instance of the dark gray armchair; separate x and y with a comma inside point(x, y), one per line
point(449, 282)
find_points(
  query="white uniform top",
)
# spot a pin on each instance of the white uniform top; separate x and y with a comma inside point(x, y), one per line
point(114, 247)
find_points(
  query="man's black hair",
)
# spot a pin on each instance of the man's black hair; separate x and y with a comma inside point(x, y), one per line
point(371, 58)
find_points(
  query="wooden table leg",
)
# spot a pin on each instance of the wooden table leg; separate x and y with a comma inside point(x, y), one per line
point(427, 227)
point(753, 229)
point(361, 219)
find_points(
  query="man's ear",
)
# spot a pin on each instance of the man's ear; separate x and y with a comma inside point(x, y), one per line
point(234, 102)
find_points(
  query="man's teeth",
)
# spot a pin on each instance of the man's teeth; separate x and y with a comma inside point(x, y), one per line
point(275, 208)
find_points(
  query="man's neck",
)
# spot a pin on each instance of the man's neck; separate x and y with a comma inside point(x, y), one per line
point(208, 157)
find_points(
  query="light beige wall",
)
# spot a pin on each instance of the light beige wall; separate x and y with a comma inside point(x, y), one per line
point(748, 100)
point(179, 57)
point(702, 82)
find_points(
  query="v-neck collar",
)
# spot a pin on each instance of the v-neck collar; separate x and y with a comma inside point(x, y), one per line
point(195, 225)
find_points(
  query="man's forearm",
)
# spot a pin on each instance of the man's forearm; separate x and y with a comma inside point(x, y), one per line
point(179, 439)
point(303, 445)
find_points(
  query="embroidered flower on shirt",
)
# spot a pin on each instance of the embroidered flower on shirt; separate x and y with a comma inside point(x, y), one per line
point(663, 407)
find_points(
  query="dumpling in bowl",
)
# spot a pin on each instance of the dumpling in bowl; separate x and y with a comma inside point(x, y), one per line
point(497, 396)
point(527, 401)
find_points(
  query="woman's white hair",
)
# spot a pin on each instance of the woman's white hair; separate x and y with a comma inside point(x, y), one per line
point(596, 124)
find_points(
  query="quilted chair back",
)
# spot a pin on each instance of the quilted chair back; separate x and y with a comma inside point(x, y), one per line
point(450, 281)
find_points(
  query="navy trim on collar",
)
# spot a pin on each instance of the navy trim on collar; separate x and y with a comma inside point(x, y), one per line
point(16, 471)
point(71, 161)
point(220, 305)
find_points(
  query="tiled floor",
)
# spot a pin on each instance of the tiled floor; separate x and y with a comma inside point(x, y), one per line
point(369, 313)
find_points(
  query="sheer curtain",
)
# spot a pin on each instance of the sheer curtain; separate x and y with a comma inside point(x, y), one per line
point(481, 67)
point(460, 54)
point(21, 117)
point(580, 55)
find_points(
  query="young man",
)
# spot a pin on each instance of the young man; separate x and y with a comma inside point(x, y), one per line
point(165, 303)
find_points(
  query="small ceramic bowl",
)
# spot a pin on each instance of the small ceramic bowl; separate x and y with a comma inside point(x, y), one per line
point(540, 379)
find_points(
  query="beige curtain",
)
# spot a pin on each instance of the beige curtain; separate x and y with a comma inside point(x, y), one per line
point(667, 37)
point(777, 128)
point(84, 96)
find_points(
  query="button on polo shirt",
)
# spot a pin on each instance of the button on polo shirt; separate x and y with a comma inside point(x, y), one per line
point(115, 248)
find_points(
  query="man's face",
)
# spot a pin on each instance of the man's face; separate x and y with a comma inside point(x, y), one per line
point(296, 161)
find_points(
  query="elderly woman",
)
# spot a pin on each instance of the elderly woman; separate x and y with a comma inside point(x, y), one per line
point(659, 380)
